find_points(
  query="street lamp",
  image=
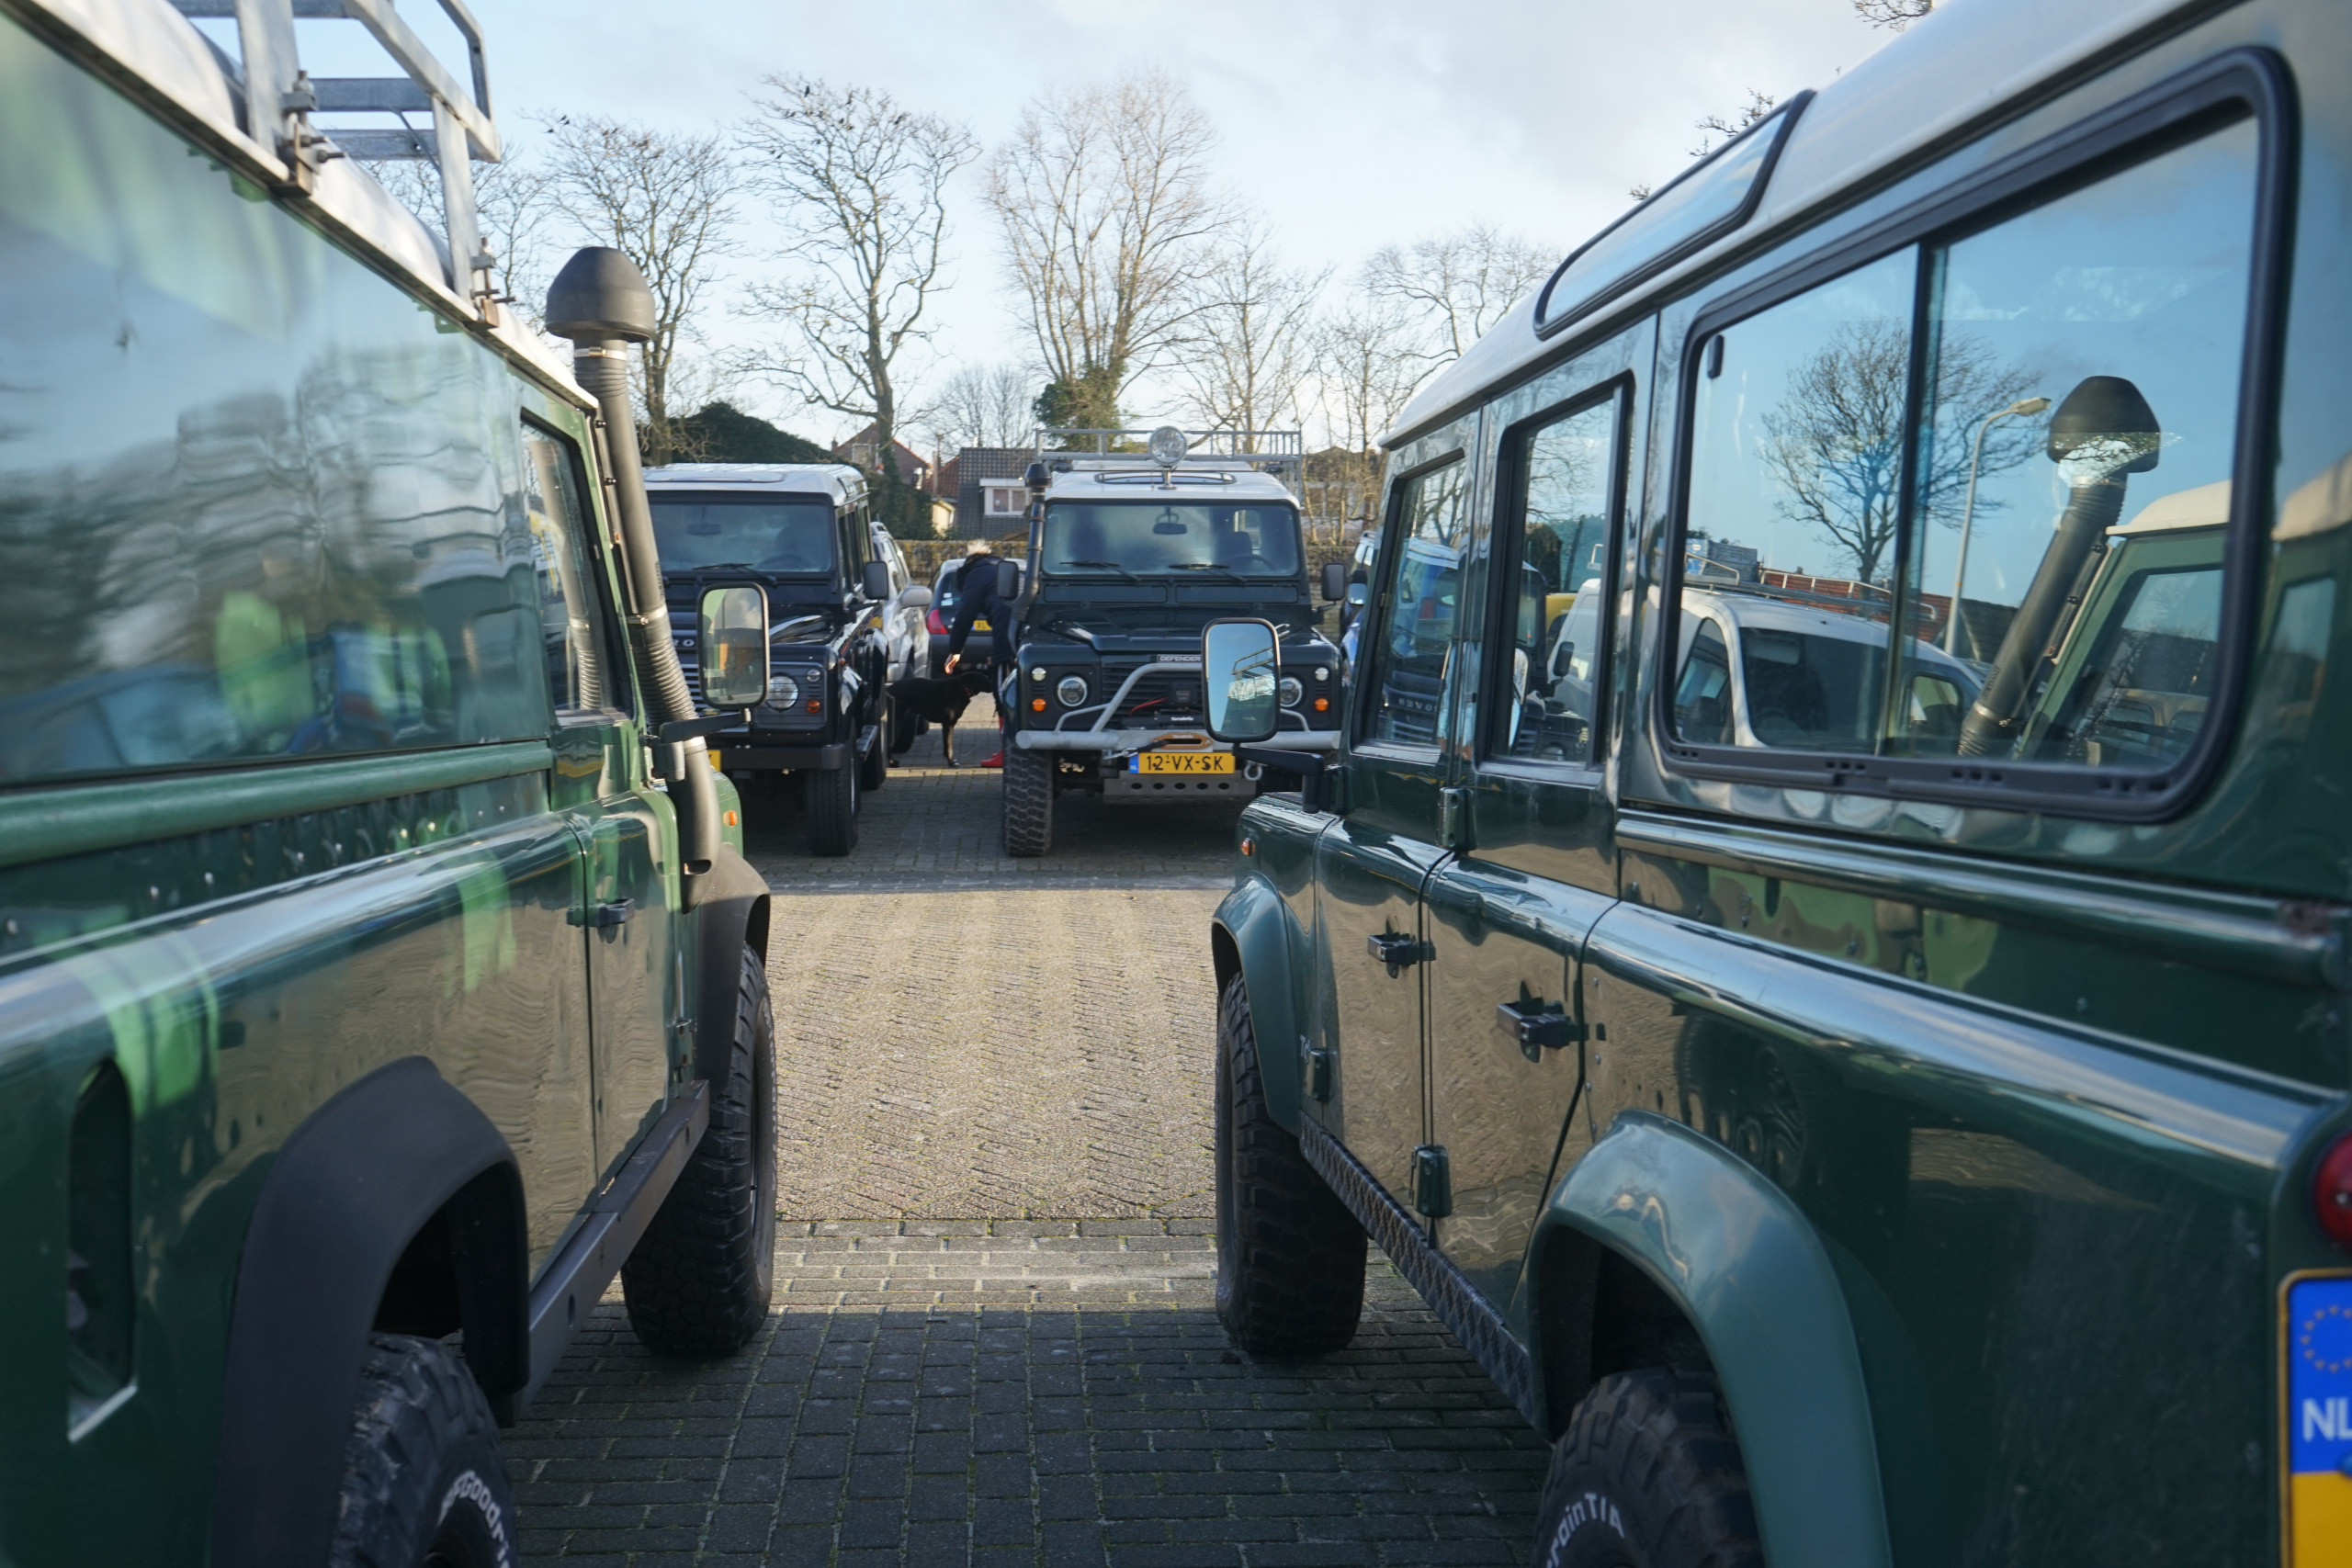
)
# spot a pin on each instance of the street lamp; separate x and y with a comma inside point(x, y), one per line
point(1968, 511)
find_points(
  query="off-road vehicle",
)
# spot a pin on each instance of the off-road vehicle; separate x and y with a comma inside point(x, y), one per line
point(803, 533)
point(1846, 1015)
point(1131, 554)
point(380, 973)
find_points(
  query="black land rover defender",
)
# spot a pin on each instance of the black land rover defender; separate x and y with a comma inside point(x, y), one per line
point(1131, 555)
point(800, 531)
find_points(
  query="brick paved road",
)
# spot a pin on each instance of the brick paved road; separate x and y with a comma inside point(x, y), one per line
point(994, 1339)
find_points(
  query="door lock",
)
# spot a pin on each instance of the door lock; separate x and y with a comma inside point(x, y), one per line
point(1395, 951)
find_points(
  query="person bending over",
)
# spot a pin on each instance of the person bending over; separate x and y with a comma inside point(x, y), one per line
point(980, 602)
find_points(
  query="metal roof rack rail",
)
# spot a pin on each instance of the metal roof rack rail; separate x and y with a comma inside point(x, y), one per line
point(280, 97)
point(1279, 453)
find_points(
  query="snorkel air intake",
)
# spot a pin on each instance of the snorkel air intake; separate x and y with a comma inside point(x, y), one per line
point(600, 302)
point(2102, 433)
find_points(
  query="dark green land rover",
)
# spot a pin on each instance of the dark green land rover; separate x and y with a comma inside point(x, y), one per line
point(378, 971)
point(1840, 1001)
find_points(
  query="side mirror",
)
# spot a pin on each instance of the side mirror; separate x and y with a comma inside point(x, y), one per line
point(874, 581)
point(1007, 581)
point(916, 598)
point(1240, 663)
point(1335, 581)
point(733, 645)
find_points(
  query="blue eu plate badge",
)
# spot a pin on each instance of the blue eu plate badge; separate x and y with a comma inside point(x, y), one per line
point(2319, 1421)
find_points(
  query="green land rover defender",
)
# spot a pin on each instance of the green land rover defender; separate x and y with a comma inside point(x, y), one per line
point(1822, 949)
point(380, 973)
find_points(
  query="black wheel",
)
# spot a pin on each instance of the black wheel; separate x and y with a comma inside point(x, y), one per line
point(830, 801)
point(1647, 1475)
point(423, 1483)
point(1028, 801)
point(1289, 1256)
point(874, 768)
point(697, 1283)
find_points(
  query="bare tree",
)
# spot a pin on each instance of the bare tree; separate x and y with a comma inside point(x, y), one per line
point(1895, 14)
point(513, 202)
point(1108, 217)
point(668, 201)
point(1834, 444)
point(1457, 286)
point(860, 184)
point(985, 406)
point(1366, 369)
point(1253, 335)
point(1758, 106)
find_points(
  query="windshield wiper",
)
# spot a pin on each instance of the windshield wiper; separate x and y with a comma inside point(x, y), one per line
point(1103, 566)
point(1224, 571)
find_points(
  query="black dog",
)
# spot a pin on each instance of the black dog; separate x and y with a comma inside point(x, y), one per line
point(941, 699)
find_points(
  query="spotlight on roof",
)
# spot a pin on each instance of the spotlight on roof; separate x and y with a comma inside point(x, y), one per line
point(1168, 445)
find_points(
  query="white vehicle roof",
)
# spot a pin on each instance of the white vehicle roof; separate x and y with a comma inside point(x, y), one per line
point(838, 481)
point(1963, 59)
point(1141, 483)
point(1758, 612)
point(149, 45)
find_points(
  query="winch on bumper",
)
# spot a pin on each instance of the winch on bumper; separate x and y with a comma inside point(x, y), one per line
point(1088, 730)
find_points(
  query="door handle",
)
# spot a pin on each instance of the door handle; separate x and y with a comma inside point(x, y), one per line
point(597, 917)
point(1395, 951)
point(1535, 1029)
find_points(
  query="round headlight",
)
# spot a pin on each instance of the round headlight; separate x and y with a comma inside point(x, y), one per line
point(1070, 691)
point(1291, 691)
point(783, 691)
point(1168, 445)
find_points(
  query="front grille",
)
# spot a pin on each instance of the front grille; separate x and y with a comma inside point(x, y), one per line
point(1160, 697)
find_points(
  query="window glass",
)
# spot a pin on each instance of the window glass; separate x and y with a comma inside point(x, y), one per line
point(584, 671)
point(2075, 469)
point(1563, 470)
point(255, 501)
point(1413, 613)
point(1796, 497)
point(791, 537)
point(1084, 538)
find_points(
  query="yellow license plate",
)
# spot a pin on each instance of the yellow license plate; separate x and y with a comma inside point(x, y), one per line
point(1180, 763)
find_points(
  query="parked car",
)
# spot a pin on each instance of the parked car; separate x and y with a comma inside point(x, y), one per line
point(804, 534)
point(1847, 1022)
point(379, 970)
point(904, 631)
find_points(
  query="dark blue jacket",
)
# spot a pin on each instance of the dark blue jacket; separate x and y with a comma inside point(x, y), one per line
point(979, 602)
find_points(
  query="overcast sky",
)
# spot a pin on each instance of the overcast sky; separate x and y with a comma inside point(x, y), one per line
point(1351, 123)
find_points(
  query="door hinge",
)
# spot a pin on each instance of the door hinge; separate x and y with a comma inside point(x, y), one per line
point(1397, 950)
point(1453, 820)
point(1433, 1182)
point(1537, 1028)
point(1319, 1072)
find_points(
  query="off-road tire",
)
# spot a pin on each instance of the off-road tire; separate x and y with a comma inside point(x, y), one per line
point(1289, 1256)
point(829, 801)
point(1647, 1475)
point(874, 768)
point(423, 1481)
point(1028, 801)
point(697, 1282)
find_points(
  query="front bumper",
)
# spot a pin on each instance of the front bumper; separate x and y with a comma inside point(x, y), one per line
point(1120, 742)
point(733, 754)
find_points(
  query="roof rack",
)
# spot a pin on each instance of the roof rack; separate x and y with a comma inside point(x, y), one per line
point(1211, 457)
point(280, 97)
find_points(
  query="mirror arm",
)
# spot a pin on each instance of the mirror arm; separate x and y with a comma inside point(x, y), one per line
point(680, 731)
point(1310, 766)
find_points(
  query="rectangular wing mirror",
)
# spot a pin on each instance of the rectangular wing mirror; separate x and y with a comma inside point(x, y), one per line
point(733, 647)
point(1335, 581)
point(1240, 662)
point(874, 581)
point(1007, 581)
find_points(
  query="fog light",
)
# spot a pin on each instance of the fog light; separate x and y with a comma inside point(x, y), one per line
point(2332, 1192)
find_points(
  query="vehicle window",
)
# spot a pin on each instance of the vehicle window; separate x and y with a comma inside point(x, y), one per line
point(1414, 609)
point(857, 542)
point(2076, 461)
point(749, 532)
point(584, 671)
point(1564, 471)
point(1796, 473)
point(1084, 538)
point(254, 502)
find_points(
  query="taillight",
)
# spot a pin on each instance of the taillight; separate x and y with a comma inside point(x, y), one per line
point(935, 622)
point(2332, 1192)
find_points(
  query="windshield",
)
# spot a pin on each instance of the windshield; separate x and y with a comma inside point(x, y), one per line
point(753, 532)
point(1110, 537)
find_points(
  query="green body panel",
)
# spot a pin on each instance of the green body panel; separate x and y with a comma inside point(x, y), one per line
point(1975, 1141)
point(1746, 1268)
point(243, 930)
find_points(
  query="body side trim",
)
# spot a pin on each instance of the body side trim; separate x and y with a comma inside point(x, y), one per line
point(1742, 1262)
point(1451, 1297)
point(352, 1184)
